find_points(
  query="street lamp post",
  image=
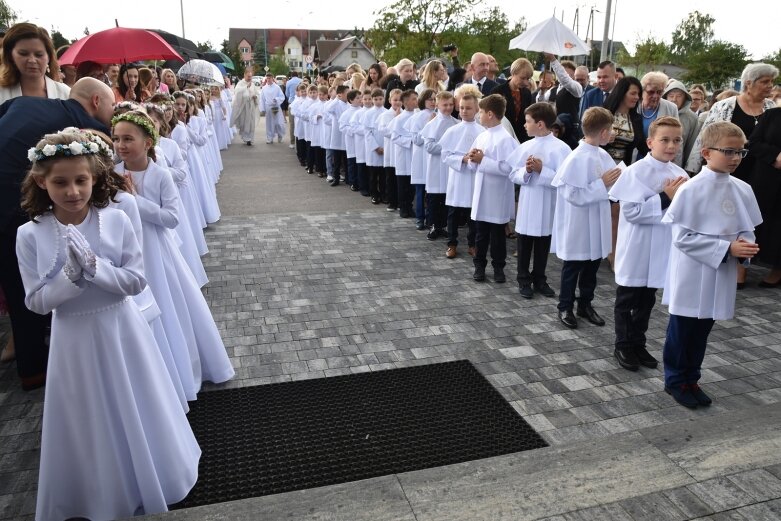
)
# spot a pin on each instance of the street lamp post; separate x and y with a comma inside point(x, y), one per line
point(606, 33)
point(181, 10)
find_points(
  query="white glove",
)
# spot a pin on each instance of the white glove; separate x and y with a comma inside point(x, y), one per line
point(82, 251)
point(72, 268)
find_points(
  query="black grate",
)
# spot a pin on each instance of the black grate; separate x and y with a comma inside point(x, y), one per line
point(296, 435)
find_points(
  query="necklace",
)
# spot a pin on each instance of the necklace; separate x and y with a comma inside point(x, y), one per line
point(653, 113)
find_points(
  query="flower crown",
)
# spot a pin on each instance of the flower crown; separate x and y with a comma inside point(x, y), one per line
point(130, 105)
point(92, 145)
point(141, 121)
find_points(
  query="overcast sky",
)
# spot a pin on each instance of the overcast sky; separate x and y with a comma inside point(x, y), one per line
point(755, 29)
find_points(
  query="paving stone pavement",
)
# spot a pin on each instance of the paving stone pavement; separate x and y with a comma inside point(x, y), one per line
point(312, 294)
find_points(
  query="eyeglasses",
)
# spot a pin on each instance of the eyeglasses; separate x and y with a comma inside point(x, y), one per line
point(731, 152)
point(651, 92)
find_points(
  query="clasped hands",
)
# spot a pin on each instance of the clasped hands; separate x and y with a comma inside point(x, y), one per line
point(80, 258)
point(475, 155)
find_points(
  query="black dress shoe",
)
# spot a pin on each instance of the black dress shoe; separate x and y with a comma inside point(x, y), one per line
point(741, 285)
point(589, 314)
point(353, 188)
point(526, 290)
point(681, 394)
point(544, 289)
point(479, 274)
point(627, 359)
point(335, 183)
point(499, 276)
point(390, 209)
point(568, 319)
point(645, 358)
point(702, 398)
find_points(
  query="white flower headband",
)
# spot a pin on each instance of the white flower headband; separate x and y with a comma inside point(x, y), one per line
point(75, 148)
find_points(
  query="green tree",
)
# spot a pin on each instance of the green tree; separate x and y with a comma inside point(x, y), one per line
point(277, 64)
point(58, 40)
point(414, 28)
point(7, 15)
point(691, 36)
point(203, 46)
point(488, 31)
point(774, 59)
point(649, 54)
point(259, 56)
point(233, 54)
point(717, 64)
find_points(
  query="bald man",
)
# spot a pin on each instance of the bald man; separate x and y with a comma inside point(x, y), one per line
point(480, 68)
point(23, 122)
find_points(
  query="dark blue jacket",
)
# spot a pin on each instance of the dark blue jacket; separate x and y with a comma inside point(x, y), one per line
point(23, 122)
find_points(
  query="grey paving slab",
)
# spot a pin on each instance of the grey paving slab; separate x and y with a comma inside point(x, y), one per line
point(715, 446)
point(534, 484)
point(379, 499)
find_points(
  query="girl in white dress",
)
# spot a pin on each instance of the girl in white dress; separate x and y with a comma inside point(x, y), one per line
point(198, 129)
point(211, 131)
point(181, 133)
point(220, 119)
point(115, 439)
point(189, 326)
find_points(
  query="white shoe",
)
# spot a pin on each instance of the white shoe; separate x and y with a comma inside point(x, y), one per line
point(291, 146)
point(269, 142)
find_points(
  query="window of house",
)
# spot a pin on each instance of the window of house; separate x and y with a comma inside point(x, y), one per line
point(354, 54)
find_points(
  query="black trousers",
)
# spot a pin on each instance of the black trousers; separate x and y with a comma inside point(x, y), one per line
point(455, 215)
point(339, 158)
point(404, 195)
point(376, 182)
point(632, 312)
point(301, 150)
point(29, 329)
point(310, 156)
point(541, 248)
point(390, 187)
point(437, 210)
point(319, 160)
point(582, 274)
point(363, 177)
point(490, 235)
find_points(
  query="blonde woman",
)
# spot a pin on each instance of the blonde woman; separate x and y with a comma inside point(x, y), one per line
point(434, 77)
point(356, 80)
point(406, 80)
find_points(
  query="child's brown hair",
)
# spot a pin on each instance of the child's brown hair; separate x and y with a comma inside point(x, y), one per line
point(494, 103)
point(595, 120)
point(542, 112)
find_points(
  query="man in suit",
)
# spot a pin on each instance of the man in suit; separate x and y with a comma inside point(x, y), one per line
point(480, 67)
point(581, 76)
point(23, 121)
point(606, 80)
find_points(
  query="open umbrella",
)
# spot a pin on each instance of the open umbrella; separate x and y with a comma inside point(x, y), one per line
point(118, 45)
point(219, 58)
point(551, 36)
point(200, 71)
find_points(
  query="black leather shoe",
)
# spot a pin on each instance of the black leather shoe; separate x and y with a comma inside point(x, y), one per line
point(499, 276)
point(479, 274)
point(627, 359)
point(544, 289)
point(702, 398)
point(681, 394)
point(645, 358)
point(568, 319)
point(353, 188)
point(390, 209)
point(432, 234)
point(589, 314)
point(526, 290)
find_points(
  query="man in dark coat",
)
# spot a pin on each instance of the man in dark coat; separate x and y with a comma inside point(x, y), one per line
point(23, 122)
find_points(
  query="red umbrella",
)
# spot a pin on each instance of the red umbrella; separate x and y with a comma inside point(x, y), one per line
point(119, 45)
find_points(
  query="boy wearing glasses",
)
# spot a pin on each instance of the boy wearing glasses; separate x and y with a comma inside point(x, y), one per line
point(645, 191)
point(713, 217)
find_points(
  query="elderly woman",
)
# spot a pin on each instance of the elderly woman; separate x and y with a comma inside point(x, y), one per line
point(434, 77)
point(518, 96)
point(652, 105)
point(29, 65)
point(676, 93)
point(745, 110)
point(765, 146)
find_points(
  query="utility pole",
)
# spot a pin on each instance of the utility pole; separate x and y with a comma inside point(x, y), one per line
point(181, 10)
point(606, 33)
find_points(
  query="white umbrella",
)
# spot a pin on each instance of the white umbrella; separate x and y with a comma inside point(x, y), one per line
point(202, 72)
point(553, 37)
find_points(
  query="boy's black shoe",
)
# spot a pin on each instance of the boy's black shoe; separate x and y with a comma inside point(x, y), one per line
point(353, 188)
point(681, 394)
point(645, 358)
point(432, 234)
point(335, 182)
point(375, 200)
point(702, 398)
point(499, 275)
point(568, 319)
point(390, 209)
point(591, 315)
point(479, 274)
point(544, 289)
point(627, 359)
point(526, 290)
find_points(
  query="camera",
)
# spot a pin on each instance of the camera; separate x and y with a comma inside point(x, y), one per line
point(449, 48)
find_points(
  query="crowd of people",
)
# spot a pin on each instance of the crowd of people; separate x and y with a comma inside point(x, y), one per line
point(109, 182)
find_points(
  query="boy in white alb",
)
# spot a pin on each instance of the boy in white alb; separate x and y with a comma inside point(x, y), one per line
point(582, 226)
point(359, 141)
point(644, 191)
point(402, 150)
point(334, 109)
point(436, 170)
point(388, 161)
point(456, 144)
point(713, 217)
point(534, 165)
point(374, 146)
point(494, 197)
point(354, 103)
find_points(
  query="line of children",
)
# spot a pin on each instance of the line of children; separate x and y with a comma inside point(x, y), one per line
point(564, 208)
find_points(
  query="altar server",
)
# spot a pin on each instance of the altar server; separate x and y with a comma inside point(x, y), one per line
point(271, 99)
point(436, 169)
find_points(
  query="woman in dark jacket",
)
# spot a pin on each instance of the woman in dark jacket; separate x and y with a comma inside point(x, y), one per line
point(627, 122)
point(518, 96)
